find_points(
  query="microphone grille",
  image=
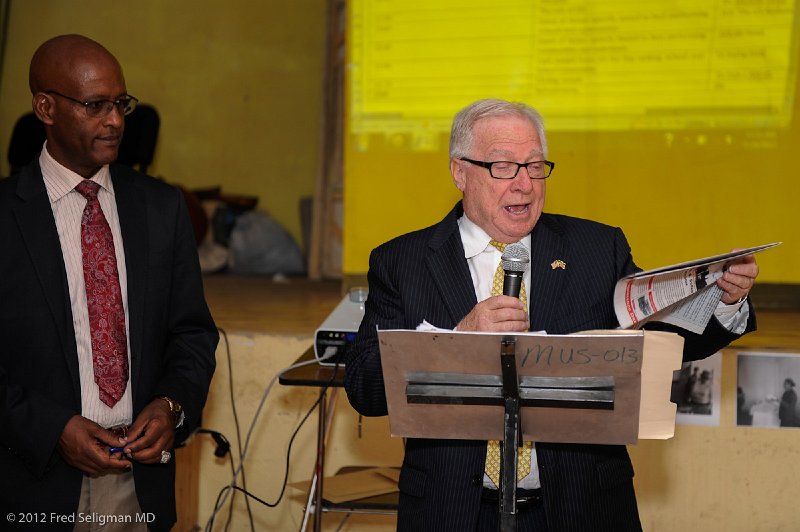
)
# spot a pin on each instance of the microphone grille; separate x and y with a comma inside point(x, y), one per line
point(515, 258)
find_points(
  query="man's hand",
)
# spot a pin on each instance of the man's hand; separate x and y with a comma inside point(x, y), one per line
point(496, 314)
point(738, 279)
point(84, 444)
point(153, 431)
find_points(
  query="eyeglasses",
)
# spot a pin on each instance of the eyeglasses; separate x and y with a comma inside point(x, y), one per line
point(510, 169)
point(125, 104)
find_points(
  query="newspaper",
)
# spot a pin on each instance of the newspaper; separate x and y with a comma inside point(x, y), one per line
point(684, 294)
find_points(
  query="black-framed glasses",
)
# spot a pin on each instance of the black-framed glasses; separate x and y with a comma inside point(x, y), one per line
point(125, 104)
point(510, 169)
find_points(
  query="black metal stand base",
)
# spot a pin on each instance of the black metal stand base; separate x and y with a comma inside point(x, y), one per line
point(511, 436)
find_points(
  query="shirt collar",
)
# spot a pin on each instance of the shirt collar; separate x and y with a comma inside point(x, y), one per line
point(60, 180)
point(475, 240)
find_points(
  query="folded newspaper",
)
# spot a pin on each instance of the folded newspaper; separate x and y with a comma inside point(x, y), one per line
point(684, 294)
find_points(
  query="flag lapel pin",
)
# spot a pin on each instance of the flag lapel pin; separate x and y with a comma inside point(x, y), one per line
point(558, 263)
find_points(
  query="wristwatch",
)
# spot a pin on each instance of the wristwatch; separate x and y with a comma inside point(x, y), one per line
point(176, 409)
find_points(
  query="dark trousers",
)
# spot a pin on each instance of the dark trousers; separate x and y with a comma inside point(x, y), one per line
point(530, 519)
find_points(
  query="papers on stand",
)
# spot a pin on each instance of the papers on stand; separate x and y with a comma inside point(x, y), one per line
point(427, 327)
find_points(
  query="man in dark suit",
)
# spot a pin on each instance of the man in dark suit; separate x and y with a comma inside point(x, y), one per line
point(106, 342)
point(444, 274)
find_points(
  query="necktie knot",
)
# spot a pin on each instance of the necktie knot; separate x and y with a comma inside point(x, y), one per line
point(88, 189)
point(501, 246)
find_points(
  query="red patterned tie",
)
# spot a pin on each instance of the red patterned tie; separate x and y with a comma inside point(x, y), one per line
point(104, 299)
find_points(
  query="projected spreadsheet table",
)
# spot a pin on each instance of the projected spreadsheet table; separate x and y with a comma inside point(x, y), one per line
point(586, 65)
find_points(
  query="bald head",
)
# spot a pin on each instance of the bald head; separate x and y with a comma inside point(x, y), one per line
point(69, 76)
point(63, 60)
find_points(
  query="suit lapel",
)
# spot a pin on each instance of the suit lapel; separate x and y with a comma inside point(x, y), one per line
point(37, 226)
point(548, 243)
point(448, 267)
point(132, 211)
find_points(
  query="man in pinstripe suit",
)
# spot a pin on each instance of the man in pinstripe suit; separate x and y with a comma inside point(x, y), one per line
point(443, 274)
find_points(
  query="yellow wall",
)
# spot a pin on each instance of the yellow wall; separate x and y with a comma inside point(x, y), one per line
point(237, 85)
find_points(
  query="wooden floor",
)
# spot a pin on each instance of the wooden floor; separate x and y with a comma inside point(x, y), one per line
point(297, 306)
point(260, 305)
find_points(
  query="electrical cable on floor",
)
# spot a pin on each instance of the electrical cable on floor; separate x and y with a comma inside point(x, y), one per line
point(238, 435)
point(230, 508)
point(286, 471)
point(232, 487)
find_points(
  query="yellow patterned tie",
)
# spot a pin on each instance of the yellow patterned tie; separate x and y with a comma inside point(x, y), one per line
point(493, 455)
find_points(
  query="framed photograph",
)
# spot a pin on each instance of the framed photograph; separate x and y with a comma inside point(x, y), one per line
point(766, 393)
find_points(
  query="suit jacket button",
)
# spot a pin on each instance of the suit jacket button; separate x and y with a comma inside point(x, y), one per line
point(477, 480)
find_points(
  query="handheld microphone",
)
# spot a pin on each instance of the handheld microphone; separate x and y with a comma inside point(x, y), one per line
point(515, 260)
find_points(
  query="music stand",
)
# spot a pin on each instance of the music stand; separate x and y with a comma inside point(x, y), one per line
point(582, 388)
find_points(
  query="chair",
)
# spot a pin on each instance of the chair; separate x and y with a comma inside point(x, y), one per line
point(139, 140)
point(26, 142)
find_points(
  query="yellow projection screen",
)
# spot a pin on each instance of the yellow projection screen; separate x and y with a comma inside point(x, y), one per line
point(673, 120)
